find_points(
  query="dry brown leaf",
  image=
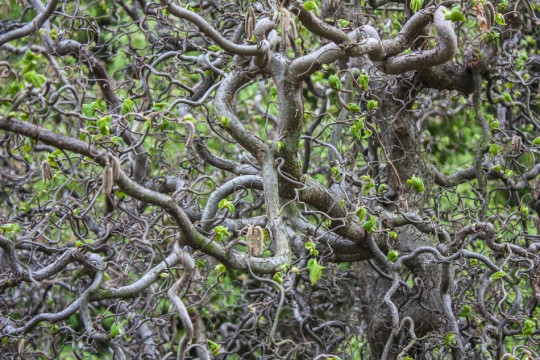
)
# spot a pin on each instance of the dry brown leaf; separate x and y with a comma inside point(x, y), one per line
point(479, 12)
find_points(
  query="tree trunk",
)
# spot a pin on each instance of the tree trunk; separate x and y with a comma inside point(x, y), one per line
point(421, 302)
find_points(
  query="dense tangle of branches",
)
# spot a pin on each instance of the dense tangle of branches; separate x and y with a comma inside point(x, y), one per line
point(262, 179)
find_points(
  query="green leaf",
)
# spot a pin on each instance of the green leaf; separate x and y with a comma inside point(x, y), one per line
point(279, 145)
point(370, 184)
point(381, 189)
point(393, 234)
point(508, 173)
point(372, 104)
point(536, 141)
point(315, 271)
point(189, 117)
point(496, 167)
point(524, 210)
point(311, 6)
point(278, 277)
point(222, 232)
point(312, 248)
point(160, 106)
point(88, 110)
point(116, 139)
point(336, 173)
point(498, 275)
point(127, 106)
point(35, 79)
point(392, 255)
point(455, 15)
point(494, 149)
point(508, 98)
point(226, 204)
point(370, 225)
point(466, 311)
point(529, 327)
point(363, 81)
point(214, 348)
point(334, 82)
point(10, 228)
point(220, 268)
point(502, 5)
point(367, 134)
point(354, 108)
point(344, 23)
point(224, 121)
point(116, 330)
point(499, 19)
point(100, 105)
point(450, 339)
point(494, 124)
point(29, 56)
point(416, 5)
point(357, 126)
point(54, 329)
point(416, 183)
point(164, 124)
point(104, 125)
point(362, 213)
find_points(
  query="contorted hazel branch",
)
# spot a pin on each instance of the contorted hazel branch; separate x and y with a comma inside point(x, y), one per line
point(190, 132)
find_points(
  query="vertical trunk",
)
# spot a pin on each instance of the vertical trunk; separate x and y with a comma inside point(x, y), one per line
point(422, 303)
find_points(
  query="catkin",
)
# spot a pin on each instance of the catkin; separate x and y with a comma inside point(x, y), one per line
point(115, 165)
point(107, 180)
point(249, 240)
point(46, 171)
point(258, 241)
point(489, 12)
point(516, 144)
point(285, 24)
point(249, 23)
